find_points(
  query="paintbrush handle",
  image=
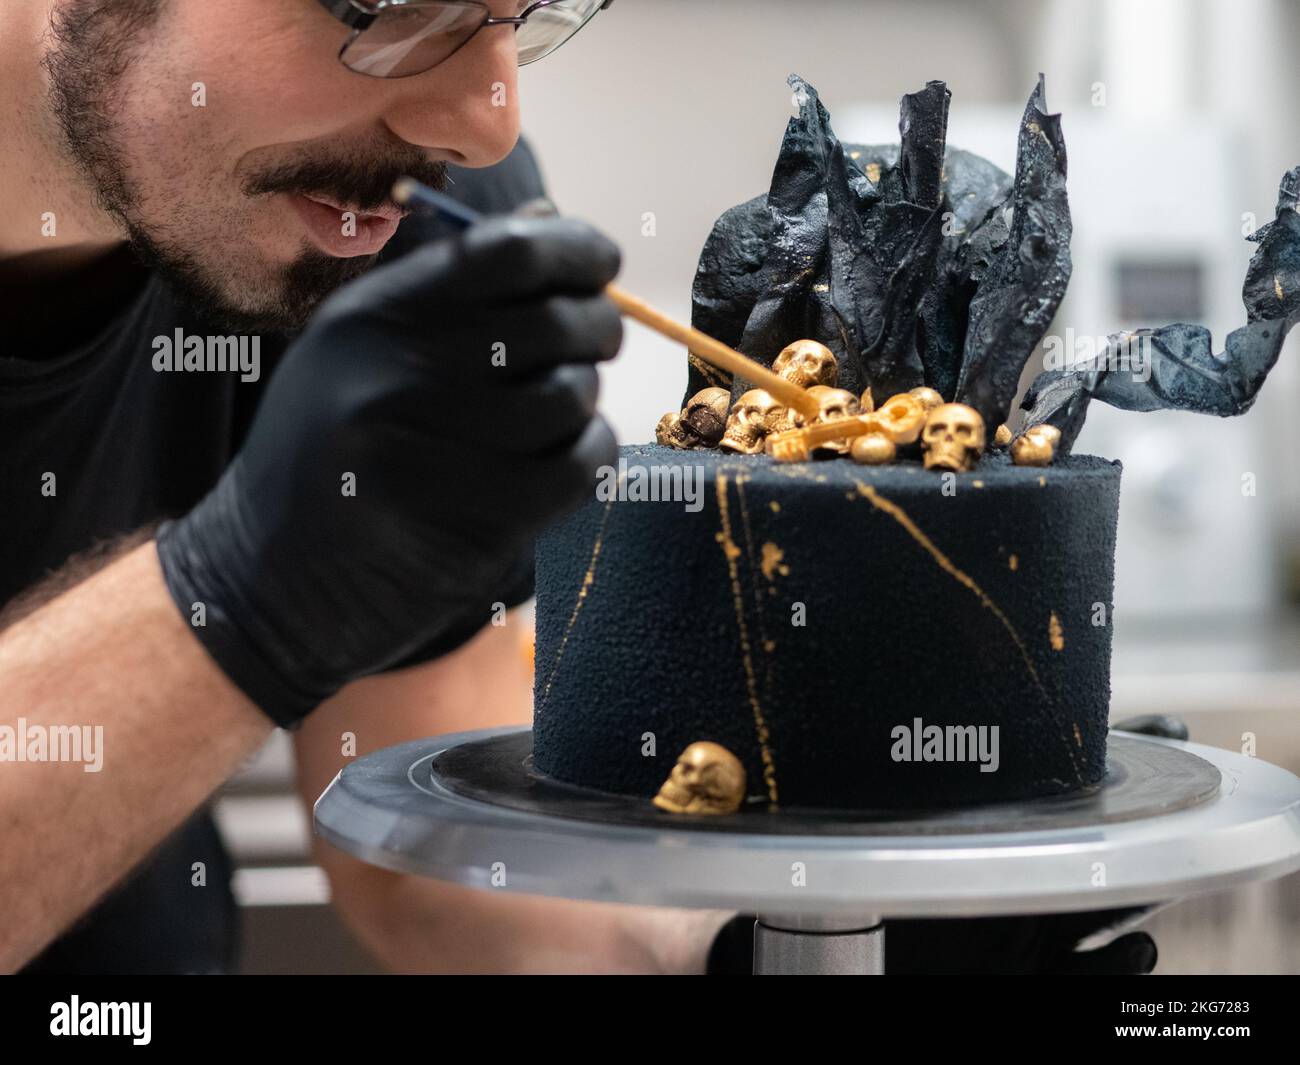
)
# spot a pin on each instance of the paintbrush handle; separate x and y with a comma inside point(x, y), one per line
point(715, 352)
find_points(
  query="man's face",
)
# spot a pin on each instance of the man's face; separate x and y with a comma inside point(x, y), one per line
point(228, 142)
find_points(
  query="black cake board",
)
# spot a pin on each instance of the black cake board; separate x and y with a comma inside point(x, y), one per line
point(1171, 819)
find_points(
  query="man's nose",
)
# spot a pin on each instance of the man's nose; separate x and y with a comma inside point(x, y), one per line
point(466, 109)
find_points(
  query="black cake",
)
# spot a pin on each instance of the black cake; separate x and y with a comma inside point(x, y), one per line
point(866, 636)
point(987, 607)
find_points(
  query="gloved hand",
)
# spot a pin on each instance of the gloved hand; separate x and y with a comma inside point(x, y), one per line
point(1165, 726)
point(1034, 944)
point(986, 946)
point(1041, 944)
point(455, 391)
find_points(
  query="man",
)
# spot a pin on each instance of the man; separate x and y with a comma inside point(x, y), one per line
point(230, 500)
point(369, 519)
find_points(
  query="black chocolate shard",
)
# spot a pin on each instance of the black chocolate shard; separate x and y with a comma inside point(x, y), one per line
point(1180, 371)
point(1023, 285)
point(1272, 288)
point(794, 298)
point(893, 359)
point(1059, 398)
point(864, 256)
point(885, 240)
point(975, 227)
point(728, 283)
point(876, 251)
point(1175, 367)
point(923, 129)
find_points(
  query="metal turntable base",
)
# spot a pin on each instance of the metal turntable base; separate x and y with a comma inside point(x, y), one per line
point(1170, 820)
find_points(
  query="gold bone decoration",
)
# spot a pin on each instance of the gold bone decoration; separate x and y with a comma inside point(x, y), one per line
point(900, 420)
point(835, 403)
point(904, 416)
point(796, 445)
point(707, 779)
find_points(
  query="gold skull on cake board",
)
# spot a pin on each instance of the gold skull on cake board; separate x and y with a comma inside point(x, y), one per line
point(707, 779)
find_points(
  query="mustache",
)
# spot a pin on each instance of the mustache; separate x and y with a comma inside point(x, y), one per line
point(366, 183)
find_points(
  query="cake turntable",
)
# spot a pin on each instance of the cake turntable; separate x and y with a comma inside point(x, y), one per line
point(1171, 819)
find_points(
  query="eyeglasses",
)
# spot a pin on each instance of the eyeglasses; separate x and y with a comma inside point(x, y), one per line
point(399, 38)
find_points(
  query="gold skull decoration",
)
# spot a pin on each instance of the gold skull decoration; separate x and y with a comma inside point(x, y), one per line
point(700, 424)
point(753, 416)
point(1036, 446)
point(670, 432)
point(706, 414)
point(953, 438)
point(707, 779)
point(807, 363)
point(835, 402)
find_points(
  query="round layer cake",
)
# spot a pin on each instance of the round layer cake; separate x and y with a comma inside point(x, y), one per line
point(859, 637)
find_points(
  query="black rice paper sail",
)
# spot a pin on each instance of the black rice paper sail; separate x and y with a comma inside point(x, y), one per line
point(876, 251)
point(1179, 369)
point(794, 298)
point(1025, 280)
point(884, 243)
point(728, 284)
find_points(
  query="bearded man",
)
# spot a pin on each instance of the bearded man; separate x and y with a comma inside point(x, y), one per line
point(193, 556)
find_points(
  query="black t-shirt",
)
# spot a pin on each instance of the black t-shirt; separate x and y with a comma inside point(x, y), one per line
point(94, 444)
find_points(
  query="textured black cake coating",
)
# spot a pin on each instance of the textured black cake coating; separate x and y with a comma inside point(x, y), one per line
point(656, 622)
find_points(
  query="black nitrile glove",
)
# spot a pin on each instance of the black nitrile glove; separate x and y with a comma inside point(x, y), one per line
point(396, 386)
point(1162, 725)
point(986, 946)
point(1043, 945)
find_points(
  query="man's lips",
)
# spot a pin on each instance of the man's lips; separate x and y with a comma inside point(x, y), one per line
point(343, 231)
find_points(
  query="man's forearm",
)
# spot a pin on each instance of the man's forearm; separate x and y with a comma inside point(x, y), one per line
point(413, 924)
point(112, 653)
point(417, 925)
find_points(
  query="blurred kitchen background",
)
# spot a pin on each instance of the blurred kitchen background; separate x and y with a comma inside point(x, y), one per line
point(1180, 116)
